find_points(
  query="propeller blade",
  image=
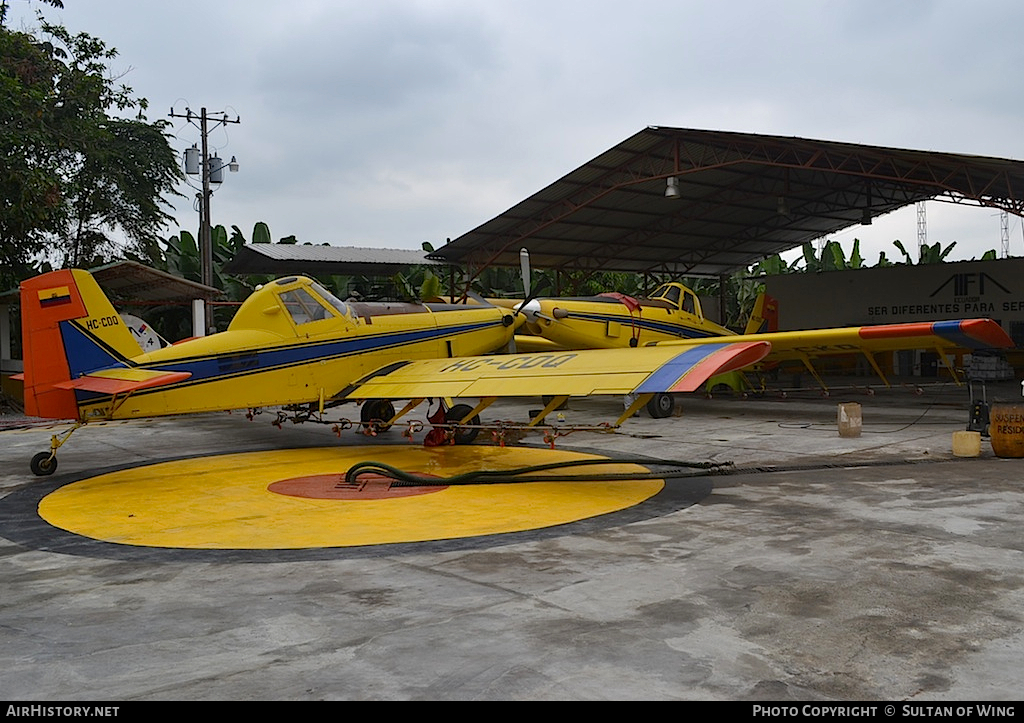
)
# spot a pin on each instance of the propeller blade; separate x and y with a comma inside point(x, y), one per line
point(524, 267)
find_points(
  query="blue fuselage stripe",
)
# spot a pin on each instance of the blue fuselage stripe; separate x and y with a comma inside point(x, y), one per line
point(240, 363)
point(674, 329)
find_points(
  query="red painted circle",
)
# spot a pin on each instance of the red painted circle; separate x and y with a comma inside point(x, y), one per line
point(368, 486)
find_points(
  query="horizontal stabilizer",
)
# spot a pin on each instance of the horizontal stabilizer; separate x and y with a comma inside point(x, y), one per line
point(121, 381)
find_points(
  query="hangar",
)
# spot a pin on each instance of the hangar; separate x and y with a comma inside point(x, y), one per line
point(705, 203)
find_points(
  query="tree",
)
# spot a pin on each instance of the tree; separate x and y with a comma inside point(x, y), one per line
point(79, 182)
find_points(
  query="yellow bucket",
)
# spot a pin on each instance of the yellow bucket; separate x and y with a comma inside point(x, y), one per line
point(966, 444)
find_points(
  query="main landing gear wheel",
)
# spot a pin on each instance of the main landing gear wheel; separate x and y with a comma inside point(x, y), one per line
point(43, 464)
point(660, 406)
point(455, 415)
point(374, 413)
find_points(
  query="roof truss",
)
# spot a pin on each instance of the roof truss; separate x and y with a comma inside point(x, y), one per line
point(742, 197)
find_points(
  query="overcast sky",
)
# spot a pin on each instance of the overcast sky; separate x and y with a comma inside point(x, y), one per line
point(391, 122)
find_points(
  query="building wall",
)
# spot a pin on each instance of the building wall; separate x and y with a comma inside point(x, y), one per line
point(932, 292)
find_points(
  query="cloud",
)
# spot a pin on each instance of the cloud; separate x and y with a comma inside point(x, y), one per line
point(397, 121)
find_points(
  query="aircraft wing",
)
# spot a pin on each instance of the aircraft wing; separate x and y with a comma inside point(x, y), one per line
point(935, 335)
point(121, 380)
point(575, 373)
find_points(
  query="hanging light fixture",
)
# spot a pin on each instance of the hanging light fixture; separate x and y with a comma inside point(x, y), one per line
point(672, 188)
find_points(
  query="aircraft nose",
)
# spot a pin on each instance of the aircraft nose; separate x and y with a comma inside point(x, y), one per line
point(530, 309)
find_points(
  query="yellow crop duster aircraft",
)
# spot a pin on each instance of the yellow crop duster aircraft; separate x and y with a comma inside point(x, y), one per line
point(613, 320)
point(672, 316)
point(293, 344)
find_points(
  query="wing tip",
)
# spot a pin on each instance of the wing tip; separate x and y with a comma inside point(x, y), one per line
point(691, 368)
point(987, 332)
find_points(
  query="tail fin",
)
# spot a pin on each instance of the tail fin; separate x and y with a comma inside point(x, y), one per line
point(68, 328)
point(765, 316)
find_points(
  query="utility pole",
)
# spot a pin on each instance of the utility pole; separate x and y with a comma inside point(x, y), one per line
point(208, 171)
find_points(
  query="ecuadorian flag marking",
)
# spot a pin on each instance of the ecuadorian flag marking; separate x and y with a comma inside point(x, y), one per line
point(54, 297)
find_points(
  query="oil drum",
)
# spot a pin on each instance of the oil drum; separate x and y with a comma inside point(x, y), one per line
point(1006, 429)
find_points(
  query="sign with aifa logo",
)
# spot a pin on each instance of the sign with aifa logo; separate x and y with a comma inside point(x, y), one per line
point(883, 295)
point(969, 286)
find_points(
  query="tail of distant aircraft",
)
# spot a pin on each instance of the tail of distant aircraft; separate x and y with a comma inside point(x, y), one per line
point(69, 328)
point(764, 317)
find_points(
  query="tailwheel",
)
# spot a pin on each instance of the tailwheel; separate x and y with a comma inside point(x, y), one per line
point(660, 406)
point(455, 415)
point(43, 464)
point(375, 413)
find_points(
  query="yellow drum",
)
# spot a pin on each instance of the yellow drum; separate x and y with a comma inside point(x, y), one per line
point(1006, 428)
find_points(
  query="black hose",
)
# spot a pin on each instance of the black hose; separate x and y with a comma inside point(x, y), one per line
point(530, 474)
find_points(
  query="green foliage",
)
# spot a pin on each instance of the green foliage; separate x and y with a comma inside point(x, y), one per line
point(929, 253)
point(906, 256)
point(934, 254)
point(831, 258)
point(773, 266)
point(856, 260)
point(431, 286)
point(77, 177)
point(261, 233)
point(418, 283)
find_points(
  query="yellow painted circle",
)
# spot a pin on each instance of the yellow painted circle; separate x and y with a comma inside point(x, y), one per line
point(218, 503)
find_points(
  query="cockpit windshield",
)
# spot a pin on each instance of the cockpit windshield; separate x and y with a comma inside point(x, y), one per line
point(304, 308)
point(668, 292)
point(340, 306)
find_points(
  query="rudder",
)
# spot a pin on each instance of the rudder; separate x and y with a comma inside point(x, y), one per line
point(765, 315)
point(68, 328)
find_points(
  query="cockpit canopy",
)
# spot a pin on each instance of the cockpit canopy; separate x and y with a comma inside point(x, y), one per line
point(668, 292)
point(304, 307)
point(677, 296)
point(287, 305)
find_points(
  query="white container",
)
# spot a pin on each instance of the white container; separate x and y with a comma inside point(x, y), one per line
point(849, 419)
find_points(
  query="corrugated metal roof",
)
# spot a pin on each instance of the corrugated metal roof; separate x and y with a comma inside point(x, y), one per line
point(280, 259)
point(131, 281)
point(742, 197)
